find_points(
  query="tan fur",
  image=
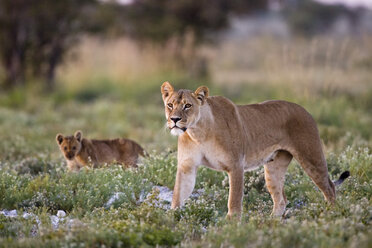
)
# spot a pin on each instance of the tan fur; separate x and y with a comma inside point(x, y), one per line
point(80, 152)
point(234, 138)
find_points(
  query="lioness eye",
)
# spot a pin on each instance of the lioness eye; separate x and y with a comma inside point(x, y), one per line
point(187, 106)
point(65, 148)
point(170, 105)
point(74, 147)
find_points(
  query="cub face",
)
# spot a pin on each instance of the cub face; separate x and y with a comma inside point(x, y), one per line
point(70, 145)
point(182, 108)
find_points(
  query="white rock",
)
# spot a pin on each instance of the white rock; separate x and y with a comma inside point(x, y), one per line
point(113, 199)
point(61, 214)
point(141, 197)
point(165, 194)
point(55, 221)
point(11, 213)
point(198, 193)
point(164, 198)
point(27, 215)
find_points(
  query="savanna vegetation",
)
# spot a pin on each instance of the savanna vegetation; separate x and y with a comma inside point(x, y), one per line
point(106, 95)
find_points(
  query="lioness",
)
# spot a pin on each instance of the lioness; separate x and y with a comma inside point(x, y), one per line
point(80, 152)
point(215, 132)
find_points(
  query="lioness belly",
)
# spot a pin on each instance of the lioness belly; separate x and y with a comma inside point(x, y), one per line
point(222, 160)
point(254, 162)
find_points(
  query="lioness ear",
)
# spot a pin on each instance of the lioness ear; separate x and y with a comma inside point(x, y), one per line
point(59, 138)
point(166, 90)
point(202, 93)
point(78, 135)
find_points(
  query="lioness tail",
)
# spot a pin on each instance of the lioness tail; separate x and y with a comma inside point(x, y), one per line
point(342, 178)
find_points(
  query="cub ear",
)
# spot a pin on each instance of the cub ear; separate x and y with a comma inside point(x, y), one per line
point(78, 135)
point(59, 138)
point(166, 90)
point(202, 93)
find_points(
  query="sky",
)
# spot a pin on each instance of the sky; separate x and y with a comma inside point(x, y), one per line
point(350, 3)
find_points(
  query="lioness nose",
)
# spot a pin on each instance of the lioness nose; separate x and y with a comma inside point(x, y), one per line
point(175, 119)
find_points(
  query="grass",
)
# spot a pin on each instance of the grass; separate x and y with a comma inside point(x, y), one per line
point(33, 176)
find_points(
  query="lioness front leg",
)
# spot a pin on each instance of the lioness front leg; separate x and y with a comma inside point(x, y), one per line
point(185, 182)
point(236, 183)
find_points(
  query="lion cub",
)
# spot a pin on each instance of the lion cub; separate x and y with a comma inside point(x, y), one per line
point(80, 152)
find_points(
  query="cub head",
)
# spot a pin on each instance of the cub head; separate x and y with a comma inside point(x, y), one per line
point(182, 107)
point(70, 145)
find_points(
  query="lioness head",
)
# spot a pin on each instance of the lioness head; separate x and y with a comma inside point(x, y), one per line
point(70, 145)
point(182, 107)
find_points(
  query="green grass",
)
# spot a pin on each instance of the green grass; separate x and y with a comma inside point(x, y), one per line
point(33, 175)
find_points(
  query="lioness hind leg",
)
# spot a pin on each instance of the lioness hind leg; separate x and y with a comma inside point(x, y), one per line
point(316, 167)
point(274, 177)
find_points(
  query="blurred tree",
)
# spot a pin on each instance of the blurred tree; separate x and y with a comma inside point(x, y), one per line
point(308, 17)
point(160, 20)
point(34, 36)
point(179, 26)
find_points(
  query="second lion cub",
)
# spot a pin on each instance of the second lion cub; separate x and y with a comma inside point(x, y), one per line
point(80, 152)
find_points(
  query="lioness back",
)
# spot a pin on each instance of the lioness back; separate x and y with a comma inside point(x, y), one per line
point(281, 115)
point(274, 122)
